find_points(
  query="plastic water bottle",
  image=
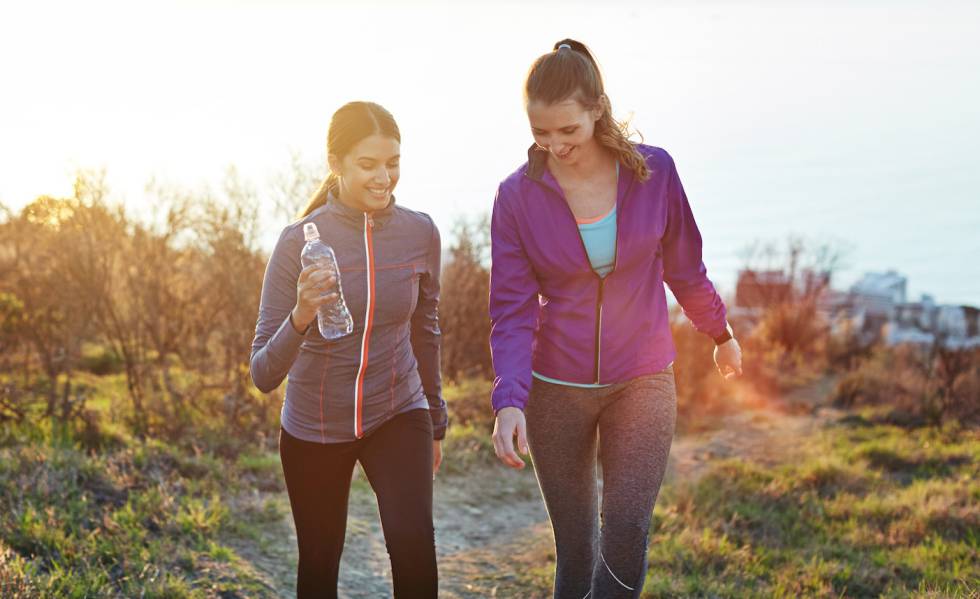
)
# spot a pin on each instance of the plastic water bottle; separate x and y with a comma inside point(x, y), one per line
point(333, 318)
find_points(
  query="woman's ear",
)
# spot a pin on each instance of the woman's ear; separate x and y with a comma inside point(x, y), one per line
point(600, 107)
point(335, 165)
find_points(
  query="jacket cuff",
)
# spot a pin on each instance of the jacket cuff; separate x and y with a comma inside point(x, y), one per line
point(440, 417)
point(725, 335)
point(284, 344)
point(509, 402)
point(718, 328)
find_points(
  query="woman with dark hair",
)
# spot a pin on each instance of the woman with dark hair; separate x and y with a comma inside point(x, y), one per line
point(372, 396)
point(583, 237)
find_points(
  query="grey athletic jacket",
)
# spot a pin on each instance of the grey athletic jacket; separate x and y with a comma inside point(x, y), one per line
point(343, 389)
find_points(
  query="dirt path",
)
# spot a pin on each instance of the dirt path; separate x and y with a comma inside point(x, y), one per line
point(766, 435)
point(480, 520)
point(492, 524)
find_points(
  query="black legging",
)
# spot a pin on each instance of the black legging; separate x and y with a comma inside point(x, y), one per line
point(397, 459)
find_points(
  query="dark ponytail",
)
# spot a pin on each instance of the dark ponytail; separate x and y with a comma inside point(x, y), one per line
point(569, 71)
point(351, 123)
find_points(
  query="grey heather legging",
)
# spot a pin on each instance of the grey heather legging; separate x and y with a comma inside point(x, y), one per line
point(635, 425)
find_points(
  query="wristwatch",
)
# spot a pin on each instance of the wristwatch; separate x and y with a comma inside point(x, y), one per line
point(726, 336)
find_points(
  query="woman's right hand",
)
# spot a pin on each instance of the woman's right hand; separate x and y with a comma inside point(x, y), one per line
point(510, 421)
point(311, 286)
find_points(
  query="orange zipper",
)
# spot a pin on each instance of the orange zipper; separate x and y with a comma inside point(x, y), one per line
point(368, 323)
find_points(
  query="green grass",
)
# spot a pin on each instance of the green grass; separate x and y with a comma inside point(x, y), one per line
point(90, 511)
point(873, 511)
point(146, 520)
point(100, 513)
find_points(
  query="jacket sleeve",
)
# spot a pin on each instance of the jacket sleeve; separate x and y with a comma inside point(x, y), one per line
point(684, 270)
point(513, 310)
point(426, 336)
point(276, 343)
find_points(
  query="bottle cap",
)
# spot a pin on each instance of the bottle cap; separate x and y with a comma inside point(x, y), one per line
point(310, 232)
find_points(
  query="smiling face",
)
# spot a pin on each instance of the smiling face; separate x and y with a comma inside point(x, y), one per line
point(369, 172)
point(565, 129)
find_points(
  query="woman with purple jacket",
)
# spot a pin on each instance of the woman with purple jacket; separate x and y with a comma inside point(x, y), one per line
point(584, 235)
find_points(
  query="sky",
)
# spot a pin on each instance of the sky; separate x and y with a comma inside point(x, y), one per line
point(850, 122)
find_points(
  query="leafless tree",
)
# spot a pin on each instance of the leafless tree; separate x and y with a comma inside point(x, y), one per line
point(291, 188)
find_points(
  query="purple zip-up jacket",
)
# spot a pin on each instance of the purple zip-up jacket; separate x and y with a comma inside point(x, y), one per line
point(552, 313)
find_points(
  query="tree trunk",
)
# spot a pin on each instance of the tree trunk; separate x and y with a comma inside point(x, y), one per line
point(66, 399)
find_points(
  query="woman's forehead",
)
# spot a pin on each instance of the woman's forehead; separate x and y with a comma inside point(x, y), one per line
point(555, 115)
point(376, 147)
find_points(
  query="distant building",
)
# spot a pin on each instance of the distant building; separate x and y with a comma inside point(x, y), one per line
point(875, 308)
point(918, 315)
point(924, 322)
point(972, 321)
point(877, 294)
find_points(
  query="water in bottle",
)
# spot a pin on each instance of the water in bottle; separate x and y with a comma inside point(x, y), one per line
point(333, 318)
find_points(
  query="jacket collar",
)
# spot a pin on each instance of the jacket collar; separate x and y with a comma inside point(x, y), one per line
point(537, 162)
point(355, 216)
point(537, 169)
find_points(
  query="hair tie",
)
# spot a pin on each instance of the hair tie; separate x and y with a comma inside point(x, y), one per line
point(563, 46)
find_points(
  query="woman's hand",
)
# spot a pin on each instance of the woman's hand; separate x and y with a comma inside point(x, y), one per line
point(311, 286)
point(436, 457)
point(728, 359)
point(510, 421)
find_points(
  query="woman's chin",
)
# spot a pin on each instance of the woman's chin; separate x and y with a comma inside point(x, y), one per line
point(371, 202)
point(569, 158)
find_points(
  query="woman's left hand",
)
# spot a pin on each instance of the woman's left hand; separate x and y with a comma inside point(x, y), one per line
point(436, 457)
point(728, 359)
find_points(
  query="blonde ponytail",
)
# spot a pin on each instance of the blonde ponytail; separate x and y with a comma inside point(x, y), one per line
point(615, 135)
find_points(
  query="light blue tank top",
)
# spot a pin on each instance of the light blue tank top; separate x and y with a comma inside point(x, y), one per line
point(599, 237)
point(600, 242)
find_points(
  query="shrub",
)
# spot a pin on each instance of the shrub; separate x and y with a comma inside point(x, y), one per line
point(101, 360)
point(916, 385)
point(788, 347)
point(701, 391)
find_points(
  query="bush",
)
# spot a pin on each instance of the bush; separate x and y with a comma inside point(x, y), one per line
point(788, 348)
point(701, 391)
point(11, 321)
point(916, 385)
point(464, 315)
point(471, 421)
point(100, 360)
point(469, 403)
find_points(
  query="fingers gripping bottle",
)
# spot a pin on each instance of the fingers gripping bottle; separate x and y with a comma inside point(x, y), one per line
point(333, 318)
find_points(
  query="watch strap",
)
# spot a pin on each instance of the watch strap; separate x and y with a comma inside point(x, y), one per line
point(725, 336)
